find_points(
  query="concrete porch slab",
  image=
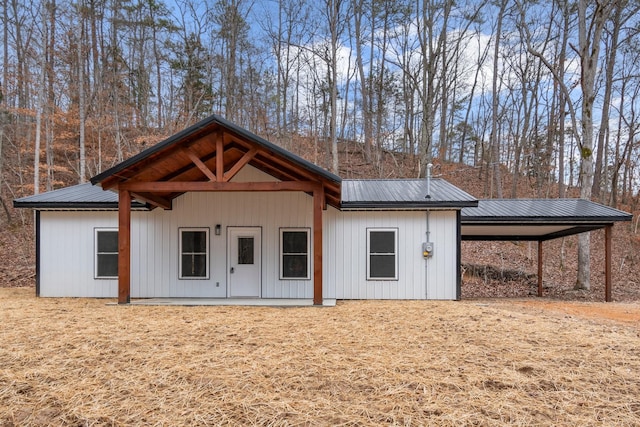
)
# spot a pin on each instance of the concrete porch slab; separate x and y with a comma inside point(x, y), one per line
point(257, 302)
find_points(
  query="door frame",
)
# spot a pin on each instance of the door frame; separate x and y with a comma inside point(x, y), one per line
point(258, 256)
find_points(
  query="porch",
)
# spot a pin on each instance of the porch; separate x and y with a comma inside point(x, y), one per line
point(248, 302)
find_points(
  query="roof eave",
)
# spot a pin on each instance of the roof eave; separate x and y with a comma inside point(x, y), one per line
point(406, 205)
point(543, 220)
point(153, 150)
point(75, 205)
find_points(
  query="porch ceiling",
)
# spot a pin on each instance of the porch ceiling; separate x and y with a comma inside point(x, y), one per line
point(213, 150)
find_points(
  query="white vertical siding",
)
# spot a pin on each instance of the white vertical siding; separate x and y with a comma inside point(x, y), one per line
point(67, 254)
point(443, 265)
point(269, 211)
point(67, 248)
point(67, 244)
point(345, 253)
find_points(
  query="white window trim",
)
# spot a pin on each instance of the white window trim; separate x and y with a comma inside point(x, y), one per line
point(395, 253)
point(307, 230)
point(95, 253)
point(207, 253)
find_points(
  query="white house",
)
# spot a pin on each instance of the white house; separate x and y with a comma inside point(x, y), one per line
point(217, 212)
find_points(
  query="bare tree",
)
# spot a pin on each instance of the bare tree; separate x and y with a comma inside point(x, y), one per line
point(590, 27)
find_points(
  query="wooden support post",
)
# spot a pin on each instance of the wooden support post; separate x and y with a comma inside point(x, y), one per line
point(220, 158)
point(539, 268)
point(607, 263)
point(318, 197)
point(124, 247)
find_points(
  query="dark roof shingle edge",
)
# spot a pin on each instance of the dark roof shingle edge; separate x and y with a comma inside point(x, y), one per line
point(402, 194)
point(80, 196)
point(504, 211)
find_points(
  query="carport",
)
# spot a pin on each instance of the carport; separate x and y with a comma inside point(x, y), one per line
point(540, 220)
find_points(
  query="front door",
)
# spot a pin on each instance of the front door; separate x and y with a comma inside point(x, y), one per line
point(244, 255)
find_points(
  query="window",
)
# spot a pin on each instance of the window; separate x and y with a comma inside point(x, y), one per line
point(245, 250)
point(294, 253)
point(194, 253)
point(106, 243)
point(382, 251)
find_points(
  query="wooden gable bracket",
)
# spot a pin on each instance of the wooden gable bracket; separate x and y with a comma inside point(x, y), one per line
point(220, 175)
point(200, 164)
point(158, 201)
point(220, 157)
point(246, 158)
point(185, 186)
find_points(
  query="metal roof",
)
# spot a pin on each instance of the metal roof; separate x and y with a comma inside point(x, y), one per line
point(81, 196)
point(542, 210)
point(535, 219)
point(402, 194)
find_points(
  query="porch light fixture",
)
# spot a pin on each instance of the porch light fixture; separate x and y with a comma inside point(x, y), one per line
point(218, 229)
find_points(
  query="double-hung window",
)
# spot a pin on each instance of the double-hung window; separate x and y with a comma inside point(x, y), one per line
point(194, 253)
point(294, 253)
point(382, 254)
point(106, 250)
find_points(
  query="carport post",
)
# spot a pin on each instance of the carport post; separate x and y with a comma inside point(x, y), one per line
point(607, 263)
point(539, 268)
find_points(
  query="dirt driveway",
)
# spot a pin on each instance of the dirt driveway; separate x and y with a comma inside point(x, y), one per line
point(627, 313)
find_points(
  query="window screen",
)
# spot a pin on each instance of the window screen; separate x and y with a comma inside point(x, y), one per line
point(194, 253)
point(382, 254)
point(106, 254)
point(294, 259)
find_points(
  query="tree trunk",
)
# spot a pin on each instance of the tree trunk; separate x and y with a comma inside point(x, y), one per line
point(364, 84)
point(493, 138)
point(589, 34)
point(606, 102)
point(81, 100)
point(562, 100)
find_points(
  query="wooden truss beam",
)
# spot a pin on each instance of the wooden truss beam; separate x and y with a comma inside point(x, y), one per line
point(152, 199)
point(200, 165)
point(219, 157)
point(182, 186)
point(246, 158)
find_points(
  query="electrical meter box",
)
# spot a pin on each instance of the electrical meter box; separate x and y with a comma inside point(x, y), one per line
point(427, 249)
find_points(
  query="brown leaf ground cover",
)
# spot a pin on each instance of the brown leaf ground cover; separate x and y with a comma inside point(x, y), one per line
point(474, 362)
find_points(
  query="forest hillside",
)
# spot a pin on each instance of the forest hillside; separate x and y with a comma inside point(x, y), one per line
point(490, 269)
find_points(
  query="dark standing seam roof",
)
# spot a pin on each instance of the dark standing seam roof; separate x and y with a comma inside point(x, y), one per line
point(82, 196)
point(203, 125)
point(541, 210)
point(402, 194)
point(356, 194)
point(535, 219)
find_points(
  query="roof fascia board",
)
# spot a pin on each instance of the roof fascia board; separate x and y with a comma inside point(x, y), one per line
point(496, 221)
point(405, 205)
point(76, 205)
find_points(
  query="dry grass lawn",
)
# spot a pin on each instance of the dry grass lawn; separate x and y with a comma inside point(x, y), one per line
point(489, 362)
